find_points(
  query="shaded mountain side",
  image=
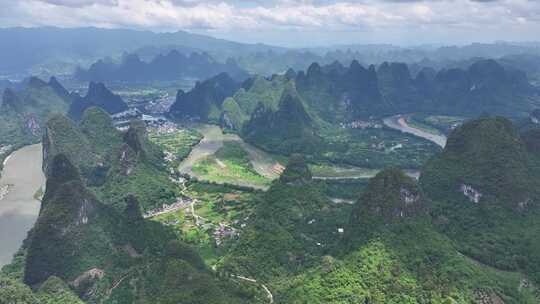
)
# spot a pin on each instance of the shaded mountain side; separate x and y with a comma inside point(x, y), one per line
point(52, 291)
point(205, 100)
point(112, 162)
point(171, 66)
point(485, 87)
point(336, 94)
point(107, 255)
point(485, 191)
point(398, 88)
point(287, 130)
point(24, 110)
point(97, 96)
point(70, 217)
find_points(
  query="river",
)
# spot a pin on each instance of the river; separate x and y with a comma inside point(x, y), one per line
point(399, 122)
point(18, 208)
point(263, 163)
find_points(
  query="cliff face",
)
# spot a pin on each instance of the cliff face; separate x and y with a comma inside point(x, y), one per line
point(205, 100)
point(73, 233)
point(98, 96)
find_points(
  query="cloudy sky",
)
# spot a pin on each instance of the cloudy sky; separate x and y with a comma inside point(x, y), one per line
point(296, 22)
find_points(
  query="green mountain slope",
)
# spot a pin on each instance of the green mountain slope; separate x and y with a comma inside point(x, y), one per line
point(287, 130)
point(82, 245)
point(23, 112)
point(485, 184)
point(111, 162)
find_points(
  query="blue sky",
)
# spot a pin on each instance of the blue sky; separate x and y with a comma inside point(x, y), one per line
point(296, 22)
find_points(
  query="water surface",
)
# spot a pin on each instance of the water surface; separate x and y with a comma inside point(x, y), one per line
point(18, 208)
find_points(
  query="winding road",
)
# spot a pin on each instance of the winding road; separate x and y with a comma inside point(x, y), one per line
point(399, 122)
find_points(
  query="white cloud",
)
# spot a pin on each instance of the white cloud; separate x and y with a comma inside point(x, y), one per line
point(503, 17)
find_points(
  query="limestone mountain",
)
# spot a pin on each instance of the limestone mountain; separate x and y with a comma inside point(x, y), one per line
point(283, 236)
point(484, 186)
point(24, 110)
point(288, 129)
point(163, 67)
point(113, 162)
point(107, 255)
point(488, 157)
point(70, 217)
point(204, 101)
point(338, 93)
point(296, 172)
point(391, 196)
point(485, 87)
point(98, 95)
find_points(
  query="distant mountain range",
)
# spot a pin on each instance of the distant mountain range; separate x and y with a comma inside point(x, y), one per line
point(264, 110)
point(172, 66)
point(33, 47)
point(55, 51)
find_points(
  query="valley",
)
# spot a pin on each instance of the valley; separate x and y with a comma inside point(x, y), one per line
point(166, 168)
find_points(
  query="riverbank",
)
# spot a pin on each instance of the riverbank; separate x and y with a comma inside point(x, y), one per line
point(399, 123)
point(18, 208)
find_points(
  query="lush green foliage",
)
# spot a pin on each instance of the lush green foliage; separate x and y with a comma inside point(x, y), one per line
point(114, 164)
point(230, 164)
point(490, 156)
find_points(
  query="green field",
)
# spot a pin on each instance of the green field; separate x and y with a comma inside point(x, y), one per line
point(178, 142)
point(372, 148)
point(422, 125)
point(230, 164)
point(333, 171)
point(443, 124)
point(215, 204)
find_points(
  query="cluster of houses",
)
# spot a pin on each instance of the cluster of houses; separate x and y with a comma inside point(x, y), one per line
point(472, 194)
point(181, 202)
point(360, 124)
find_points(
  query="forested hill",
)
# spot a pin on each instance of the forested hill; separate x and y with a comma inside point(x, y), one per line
point(26, 106)
point(337, 93)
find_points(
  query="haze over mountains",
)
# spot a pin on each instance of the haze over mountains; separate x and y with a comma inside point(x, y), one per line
point(182, 168)
point(60, 50)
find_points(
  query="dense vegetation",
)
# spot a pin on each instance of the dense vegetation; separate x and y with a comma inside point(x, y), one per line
point(105, 255)
point(495, 220)
point(113, 163)
point(333, 112)
point(389, 252)
point(24, 111)
point(230, 165)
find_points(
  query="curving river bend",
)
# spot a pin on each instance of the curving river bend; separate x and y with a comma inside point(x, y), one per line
point(18, 208)
point(399, 122)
